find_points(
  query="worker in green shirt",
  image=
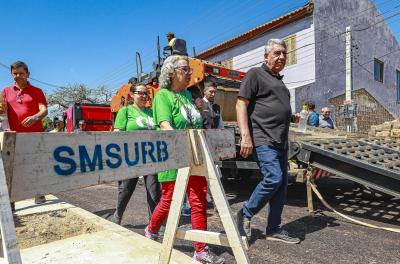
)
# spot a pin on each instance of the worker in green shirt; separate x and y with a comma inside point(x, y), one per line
point(130, 118)
point(173, 108)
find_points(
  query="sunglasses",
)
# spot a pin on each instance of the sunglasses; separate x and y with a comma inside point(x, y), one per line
point(186, 70)
point(20, 96)
point(141, 93)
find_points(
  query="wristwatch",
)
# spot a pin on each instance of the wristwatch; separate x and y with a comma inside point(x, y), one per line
point(36, 118)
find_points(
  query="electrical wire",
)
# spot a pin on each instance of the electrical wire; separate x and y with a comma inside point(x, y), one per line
point(34, 79)
point(324, 40)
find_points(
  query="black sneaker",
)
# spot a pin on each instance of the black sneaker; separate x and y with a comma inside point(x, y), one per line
point(243, 224)
point(40, 199)
point(283, 236)
point(207, 257)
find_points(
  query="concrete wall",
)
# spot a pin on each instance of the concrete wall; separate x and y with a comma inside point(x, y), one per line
point(330, 19)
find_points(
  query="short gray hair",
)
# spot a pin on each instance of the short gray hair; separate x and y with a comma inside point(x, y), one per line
point(325, 107)
point(168, 69)
point(272, 42)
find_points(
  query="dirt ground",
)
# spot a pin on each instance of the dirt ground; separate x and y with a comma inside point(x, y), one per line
point(326, 238)
point(38, 229)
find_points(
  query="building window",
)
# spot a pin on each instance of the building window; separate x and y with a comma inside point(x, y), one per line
point(228, 63)
point(378, 70)
point(291, 50)
point(398, 85)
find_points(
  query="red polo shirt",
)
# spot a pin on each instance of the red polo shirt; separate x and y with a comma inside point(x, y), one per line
point(21, 104)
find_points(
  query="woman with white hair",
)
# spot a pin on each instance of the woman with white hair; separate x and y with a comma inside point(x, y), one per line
point(173, 108)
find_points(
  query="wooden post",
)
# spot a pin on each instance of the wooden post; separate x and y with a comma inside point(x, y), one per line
point(217, 191)
point(7, 141)
point(310, 204)
point(174, 215)
point(207, 168)
point(8, 234)
point(35, 165)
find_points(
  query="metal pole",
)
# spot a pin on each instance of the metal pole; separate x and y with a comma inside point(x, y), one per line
point(349, 80)
point(194, 52)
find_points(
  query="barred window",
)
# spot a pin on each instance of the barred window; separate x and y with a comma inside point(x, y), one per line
point(291, 44)
point(228, 63)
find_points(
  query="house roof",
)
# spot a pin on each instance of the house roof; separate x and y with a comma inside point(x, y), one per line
point(291, 17)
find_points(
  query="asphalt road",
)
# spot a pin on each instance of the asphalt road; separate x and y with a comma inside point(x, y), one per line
point(326, 238)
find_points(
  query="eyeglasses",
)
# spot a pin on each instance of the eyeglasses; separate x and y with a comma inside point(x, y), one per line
point(141, 93)
point(20, 96)
point(185, 69)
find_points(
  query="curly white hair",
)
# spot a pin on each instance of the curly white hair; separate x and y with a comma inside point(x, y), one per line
point(168, 69)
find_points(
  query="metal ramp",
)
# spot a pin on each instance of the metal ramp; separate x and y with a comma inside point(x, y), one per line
point(374, 163)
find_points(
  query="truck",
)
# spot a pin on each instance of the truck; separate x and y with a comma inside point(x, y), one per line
point(98, 117)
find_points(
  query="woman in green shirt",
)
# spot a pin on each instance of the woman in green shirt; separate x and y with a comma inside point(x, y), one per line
point(173, 108)
point(136, 116)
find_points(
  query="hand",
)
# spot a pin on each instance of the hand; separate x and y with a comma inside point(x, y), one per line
point(246, 146)
point(29, 121)
point(296, 118)
point(200, 104)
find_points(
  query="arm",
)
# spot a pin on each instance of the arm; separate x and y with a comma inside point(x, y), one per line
point(121, 119)
point(162, 112)
point(30, 120)
point(246, 142)
point(165, 125)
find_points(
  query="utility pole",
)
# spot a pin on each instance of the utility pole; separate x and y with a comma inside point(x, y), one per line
point(350, 108)
point(349, 71)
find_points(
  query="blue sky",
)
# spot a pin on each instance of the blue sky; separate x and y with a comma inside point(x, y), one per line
point(94, 42)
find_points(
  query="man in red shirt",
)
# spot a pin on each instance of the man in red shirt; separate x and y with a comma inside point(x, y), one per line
point(26, 104)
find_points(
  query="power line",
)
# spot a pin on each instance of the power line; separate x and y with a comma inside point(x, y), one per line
point(122, 71)
point(324, 40)
point(291, 8)
point(316, 29)
point(34, 79)
point(341, 71)
point(339, 34)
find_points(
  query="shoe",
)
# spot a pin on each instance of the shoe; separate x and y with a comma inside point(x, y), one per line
point(40, 199)
point(116, 219)
point(185, 210)
point(207, 257)
point(141, 181)
point(243, 224)
point(283, 236)
point(148, 234)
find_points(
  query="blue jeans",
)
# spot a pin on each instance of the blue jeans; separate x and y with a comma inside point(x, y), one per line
point(273, 163)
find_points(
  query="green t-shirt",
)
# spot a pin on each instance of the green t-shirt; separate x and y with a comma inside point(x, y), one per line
point(131, 118)
point(166, 107)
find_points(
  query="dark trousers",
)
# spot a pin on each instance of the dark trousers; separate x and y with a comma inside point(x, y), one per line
point(127, 187)
point(272, 188)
